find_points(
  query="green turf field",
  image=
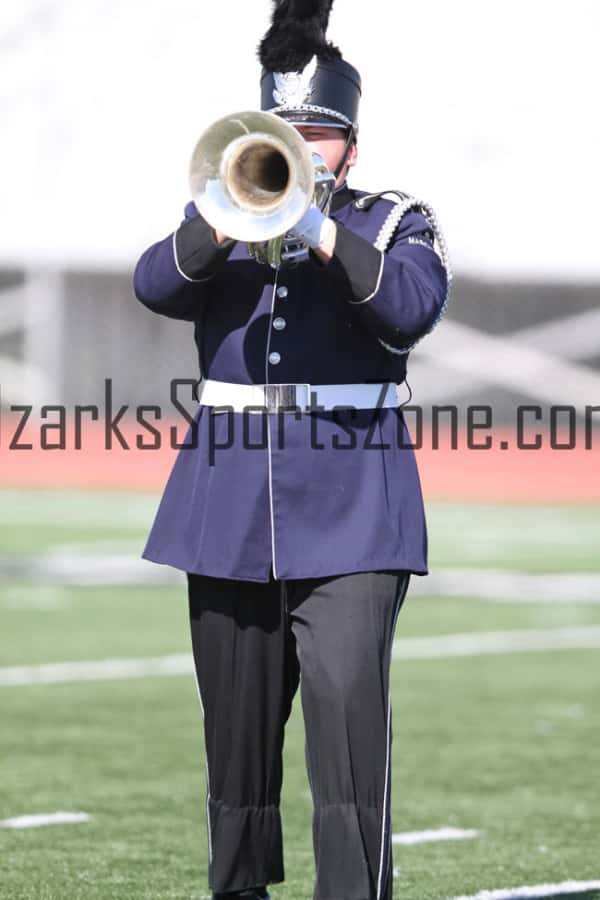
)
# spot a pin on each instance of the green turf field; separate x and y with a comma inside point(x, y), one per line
point(507, 744)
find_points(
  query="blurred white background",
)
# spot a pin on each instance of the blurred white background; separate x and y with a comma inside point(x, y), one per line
point(486, 110)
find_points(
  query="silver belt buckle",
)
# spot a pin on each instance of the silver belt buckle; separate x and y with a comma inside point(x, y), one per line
point(286, 395)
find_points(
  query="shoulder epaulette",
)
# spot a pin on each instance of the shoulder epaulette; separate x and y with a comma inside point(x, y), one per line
point(367, 200)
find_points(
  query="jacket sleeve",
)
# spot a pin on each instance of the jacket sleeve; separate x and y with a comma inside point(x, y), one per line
point(173, 276)
point(399, 294)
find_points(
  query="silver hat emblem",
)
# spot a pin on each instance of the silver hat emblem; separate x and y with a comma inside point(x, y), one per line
point(294, 88)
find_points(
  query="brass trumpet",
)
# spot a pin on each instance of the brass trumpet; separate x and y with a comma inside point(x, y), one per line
point(252, 177)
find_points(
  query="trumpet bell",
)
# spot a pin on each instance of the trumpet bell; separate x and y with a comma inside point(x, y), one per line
point(252, 176)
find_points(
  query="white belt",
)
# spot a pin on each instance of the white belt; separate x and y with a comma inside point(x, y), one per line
point(274, 397)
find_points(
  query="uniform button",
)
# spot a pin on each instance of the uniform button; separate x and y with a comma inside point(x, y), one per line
point(274, 358)
point(279, 323)
point(282, 292)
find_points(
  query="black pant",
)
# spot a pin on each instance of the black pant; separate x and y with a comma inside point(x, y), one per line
point(251, 643)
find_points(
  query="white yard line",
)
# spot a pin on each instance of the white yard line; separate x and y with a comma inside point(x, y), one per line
point(440, 646)
point(493, 642)
point(408, 838)
point(96, 670)
point(36, 821)
point(77, 566)
point(535, 891)
point(509, 586)
point(91, 569)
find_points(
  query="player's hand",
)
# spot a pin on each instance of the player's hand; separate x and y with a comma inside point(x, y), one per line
point(311, 227)
point(318, 231)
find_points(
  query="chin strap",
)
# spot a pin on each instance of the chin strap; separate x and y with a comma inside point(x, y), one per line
point(344, 157)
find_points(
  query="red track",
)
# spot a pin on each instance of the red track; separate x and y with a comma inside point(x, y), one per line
point(462, 474)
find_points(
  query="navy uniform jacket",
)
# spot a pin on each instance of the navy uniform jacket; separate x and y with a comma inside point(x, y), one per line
point(340, 494)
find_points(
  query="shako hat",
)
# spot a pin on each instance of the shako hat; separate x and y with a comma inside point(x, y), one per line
point(304, 78)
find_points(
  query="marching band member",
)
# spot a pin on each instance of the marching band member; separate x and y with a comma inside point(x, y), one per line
point(300, 535)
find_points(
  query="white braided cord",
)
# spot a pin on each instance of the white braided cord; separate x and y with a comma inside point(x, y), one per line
point(322, 110)
point(384, 237)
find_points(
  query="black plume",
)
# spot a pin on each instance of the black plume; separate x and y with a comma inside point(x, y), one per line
point(297, 33)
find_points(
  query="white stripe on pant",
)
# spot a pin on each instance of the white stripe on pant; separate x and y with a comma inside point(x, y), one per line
point(385, 818)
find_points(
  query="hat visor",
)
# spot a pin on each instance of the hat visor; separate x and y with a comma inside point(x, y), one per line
point(302, 117)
